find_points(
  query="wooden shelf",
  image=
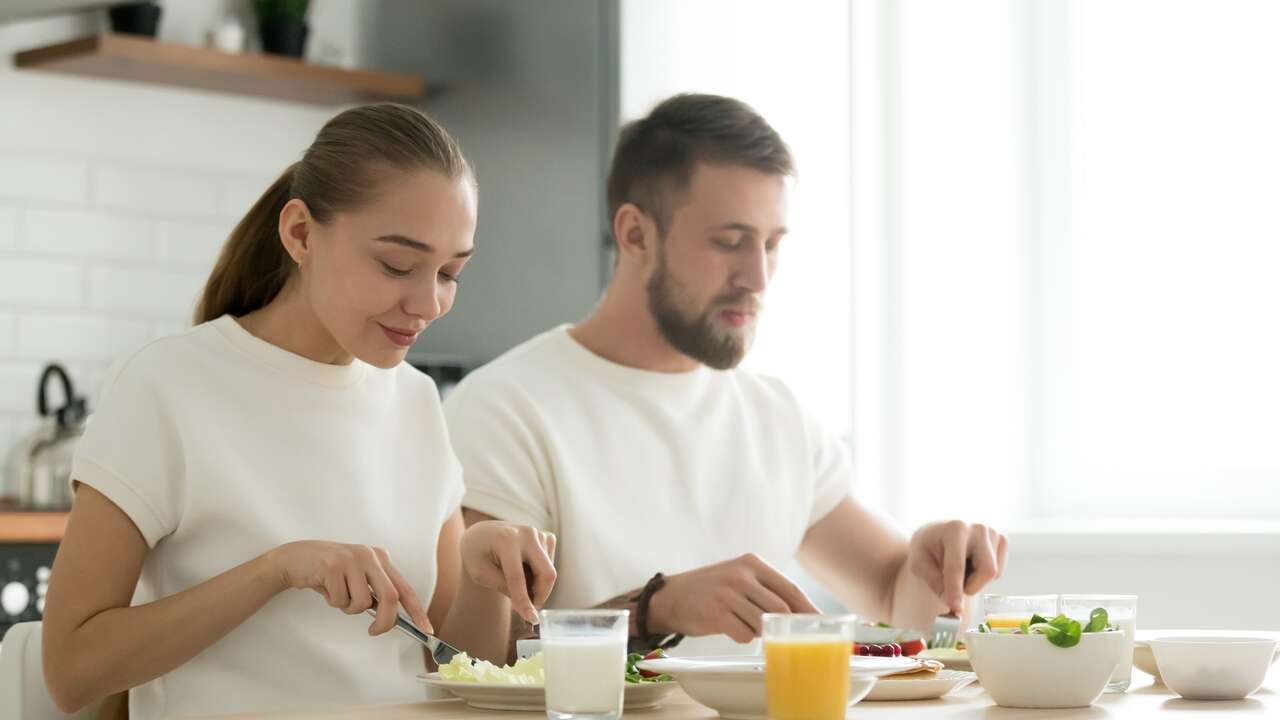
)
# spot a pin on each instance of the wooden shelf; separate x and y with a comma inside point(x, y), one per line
point(141, 59)
point(32, 527)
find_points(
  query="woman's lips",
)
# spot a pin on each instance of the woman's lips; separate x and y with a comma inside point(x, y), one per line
point(399, 337)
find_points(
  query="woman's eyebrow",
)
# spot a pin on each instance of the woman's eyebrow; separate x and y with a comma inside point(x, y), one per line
point(418, 245)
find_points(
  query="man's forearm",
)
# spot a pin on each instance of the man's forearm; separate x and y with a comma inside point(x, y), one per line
point(625, 601)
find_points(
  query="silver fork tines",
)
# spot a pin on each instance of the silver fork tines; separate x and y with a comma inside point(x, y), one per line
point(946, 630)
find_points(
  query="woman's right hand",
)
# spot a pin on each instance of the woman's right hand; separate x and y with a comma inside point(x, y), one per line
point(352, 578)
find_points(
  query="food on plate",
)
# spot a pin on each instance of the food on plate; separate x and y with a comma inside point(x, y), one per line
point(529, 671)
point(877, 649)
point(1061, 630)
point(526, 671)
point(927, 669)
point(636, 675)
point(911, 648)
point(887, 641)
point(959, 652)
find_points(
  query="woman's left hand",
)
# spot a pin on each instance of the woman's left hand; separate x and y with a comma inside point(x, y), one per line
point(515, 560)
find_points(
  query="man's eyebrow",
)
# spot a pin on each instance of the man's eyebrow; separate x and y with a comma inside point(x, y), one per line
point(744, 227)
point(417, 245)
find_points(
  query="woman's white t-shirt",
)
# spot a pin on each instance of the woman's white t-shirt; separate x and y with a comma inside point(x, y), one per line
point(220, 446)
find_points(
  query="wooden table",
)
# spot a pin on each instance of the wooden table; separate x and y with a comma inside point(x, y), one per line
point(1144, 700)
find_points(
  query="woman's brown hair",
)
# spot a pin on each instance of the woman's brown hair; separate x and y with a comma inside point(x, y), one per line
point(336, 173)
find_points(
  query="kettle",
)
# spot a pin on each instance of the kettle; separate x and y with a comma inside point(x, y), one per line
point(39, 469)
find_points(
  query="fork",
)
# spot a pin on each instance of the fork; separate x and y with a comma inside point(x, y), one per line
point(441, 651)
point(946, 629)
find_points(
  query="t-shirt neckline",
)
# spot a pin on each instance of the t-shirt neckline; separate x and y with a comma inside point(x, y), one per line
point(627, 375)
point(324, 374)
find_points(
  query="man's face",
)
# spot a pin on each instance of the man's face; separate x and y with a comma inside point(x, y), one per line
point(716, 260)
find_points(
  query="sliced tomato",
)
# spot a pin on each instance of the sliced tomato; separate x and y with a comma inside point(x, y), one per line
point(655, 655)
point(912, 647)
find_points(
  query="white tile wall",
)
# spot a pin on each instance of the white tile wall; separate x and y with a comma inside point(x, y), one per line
point(30, 177)
point(191, 243)
point(8, 227)
point(115, 199)
point(65, 337)
point(155, 190)
point(41, 283)
point(18, 389)
point(8, 330)
point(154, 292)
point(77, 233)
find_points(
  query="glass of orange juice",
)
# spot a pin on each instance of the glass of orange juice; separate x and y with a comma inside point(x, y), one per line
point(806, 665)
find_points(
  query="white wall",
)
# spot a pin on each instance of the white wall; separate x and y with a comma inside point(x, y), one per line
point(115, 197)
point(790, 62)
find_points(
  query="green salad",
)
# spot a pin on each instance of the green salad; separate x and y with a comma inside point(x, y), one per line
point(636, 675)
point(1061, 630)
point(529, 671)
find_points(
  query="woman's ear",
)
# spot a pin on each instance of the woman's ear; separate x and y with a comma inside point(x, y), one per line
point(295, 230)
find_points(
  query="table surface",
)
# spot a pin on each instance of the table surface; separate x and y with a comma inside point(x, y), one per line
point(1143, 700)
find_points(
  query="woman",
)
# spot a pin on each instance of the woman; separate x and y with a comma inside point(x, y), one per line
point(283, 444)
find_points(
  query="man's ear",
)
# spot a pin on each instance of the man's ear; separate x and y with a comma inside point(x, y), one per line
point(635, 233)
point(295, 230)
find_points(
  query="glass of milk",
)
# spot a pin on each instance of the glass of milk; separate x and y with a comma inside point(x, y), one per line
point(584, 654)
point(1122, 611)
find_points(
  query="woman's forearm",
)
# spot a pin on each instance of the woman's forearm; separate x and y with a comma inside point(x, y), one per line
point(122, 647)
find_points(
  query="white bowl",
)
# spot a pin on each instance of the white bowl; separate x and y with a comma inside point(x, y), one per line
point(1213, 668)
point(1145, 660)
point(1028, 671)
point(734, 686)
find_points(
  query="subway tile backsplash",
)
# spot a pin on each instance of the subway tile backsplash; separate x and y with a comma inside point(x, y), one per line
point(98, 257)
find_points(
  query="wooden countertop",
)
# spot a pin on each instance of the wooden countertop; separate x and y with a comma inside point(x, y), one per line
point(32, 527)
point(1144, 700)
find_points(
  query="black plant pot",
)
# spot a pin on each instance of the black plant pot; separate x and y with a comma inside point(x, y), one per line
point(284, 37)
point(141, 18)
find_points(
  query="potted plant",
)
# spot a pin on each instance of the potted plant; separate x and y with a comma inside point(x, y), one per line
point(283, 26)
point(135, 18)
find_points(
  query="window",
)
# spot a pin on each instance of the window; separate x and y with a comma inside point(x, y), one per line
point(1063, 239)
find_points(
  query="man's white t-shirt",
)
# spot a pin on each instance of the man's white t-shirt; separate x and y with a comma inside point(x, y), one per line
point(640, 472)
point(220, 446)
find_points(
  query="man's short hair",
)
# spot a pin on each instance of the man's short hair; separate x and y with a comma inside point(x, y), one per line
point(655, 157)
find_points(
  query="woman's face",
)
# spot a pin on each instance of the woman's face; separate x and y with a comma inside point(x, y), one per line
point(376, 276)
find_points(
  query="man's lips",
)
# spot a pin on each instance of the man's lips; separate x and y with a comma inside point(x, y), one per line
point(737, 317)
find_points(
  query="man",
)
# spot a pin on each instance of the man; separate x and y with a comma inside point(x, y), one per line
point(675, 481)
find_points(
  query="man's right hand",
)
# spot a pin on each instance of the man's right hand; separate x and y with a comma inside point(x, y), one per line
point(728, 597)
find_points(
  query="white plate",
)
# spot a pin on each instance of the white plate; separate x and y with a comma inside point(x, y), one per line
point(920, 688)
point(961, 664)
point(492, 696)
point(734, 686)
point(726, 664)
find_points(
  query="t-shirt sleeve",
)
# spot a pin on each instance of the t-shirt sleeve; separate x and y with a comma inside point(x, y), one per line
point(495, 437)
point(130, 452)
point(832, 468)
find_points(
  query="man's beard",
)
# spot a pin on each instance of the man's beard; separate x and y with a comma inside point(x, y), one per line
point(697, 337)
